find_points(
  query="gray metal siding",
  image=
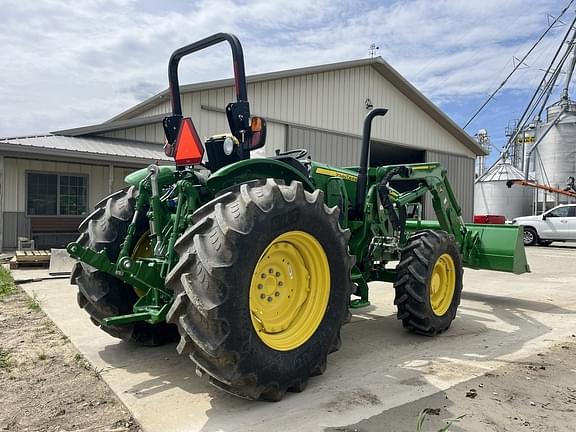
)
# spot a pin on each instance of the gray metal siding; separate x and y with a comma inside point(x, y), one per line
point(461, 177)
point(207, 123)
point(16, 224)
point(15, 179)
point(333, 149)
point(152, 133)
point(13, 218)
point(331, 100)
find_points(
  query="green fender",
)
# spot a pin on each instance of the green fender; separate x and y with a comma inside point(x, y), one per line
point(253, 169)
point(165, 175)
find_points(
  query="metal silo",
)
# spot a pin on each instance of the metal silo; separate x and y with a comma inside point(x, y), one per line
point(544, 151)
point(555, 158)
point(555, 148)
point(492, 196)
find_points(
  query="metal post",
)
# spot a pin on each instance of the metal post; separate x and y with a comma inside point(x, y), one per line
point(110, 178)
point(556, 198)
point(569, 72)
point(2, 190)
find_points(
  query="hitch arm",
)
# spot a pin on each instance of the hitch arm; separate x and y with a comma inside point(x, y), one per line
point(98, 260)
point(136, 273)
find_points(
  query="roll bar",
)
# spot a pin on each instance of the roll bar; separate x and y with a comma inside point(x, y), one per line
point(237, 58)
point(238, 113)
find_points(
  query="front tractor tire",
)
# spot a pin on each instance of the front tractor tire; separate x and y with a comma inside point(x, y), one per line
point(262, 288)
point(101, 294)
point(429, 282)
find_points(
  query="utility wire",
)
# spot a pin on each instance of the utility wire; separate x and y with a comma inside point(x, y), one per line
point(547, 93)
point(527, 114)
point(538, 95)
point(556, 72)
point(518, 65)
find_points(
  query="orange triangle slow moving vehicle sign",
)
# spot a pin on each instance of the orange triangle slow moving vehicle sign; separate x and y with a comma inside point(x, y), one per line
point(189, 149)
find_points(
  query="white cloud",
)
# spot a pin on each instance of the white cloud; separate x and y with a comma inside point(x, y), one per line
point(67, 63)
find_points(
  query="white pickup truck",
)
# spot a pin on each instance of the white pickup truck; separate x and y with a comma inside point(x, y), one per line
point(557, 224)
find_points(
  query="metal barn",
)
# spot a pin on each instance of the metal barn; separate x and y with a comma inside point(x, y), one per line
point(50, 183)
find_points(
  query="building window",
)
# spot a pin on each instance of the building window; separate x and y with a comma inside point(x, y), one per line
point(73, 195)
point(57, 195)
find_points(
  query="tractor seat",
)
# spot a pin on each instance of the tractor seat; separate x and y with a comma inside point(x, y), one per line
point(293, 162)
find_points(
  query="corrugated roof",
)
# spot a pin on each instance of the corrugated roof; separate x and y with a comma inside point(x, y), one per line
point(381, 66)
point(502, 171)
point(93, 148)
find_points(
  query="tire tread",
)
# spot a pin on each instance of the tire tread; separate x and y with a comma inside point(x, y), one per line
point(201, 299)
point(413, 272)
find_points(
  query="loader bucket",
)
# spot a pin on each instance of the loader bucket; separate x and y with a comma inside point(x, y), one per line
point(488, 247)
point(496, 247)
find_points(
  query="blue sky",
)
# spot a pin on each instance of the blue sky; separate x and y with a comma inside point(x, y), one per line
point(67, 63)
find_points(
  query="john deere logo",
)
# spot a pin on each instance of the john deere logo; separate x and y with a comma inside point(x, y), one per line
point(332, 173)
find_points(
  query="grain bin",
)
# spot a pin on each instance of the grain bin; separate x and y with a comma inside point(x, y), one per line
point(492, 196)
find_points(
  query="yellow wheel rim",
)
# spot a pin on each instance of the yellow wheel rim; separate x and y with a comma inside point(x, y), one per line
point(143, 249)
point(442, 284)
point(289, 290)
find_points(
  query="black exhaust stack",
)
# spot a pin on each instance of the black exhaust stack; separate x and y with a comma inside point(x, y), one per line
point(364, 157)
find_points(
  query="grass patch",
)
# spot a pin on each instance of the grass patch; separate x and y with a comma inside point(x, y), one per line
point(50, 327)
point(42, 356)
point(82, 362)
point(5, 360)
point(6, 282)
point(34, 303)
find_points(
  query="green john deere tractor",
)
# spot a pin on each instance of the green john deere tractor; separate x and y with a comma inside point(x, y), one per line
point(254, 264)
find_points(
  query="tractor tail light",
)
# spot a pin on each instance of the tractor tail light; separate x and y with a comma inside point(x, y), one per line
point(188, 149)
point(258, 133)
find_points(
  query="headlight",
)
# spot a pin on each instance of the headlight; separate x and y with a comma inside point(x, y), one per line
point(228, 146)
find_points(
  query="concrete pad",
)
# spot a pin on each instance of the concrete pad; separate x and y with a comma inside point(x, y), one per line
point(502, 318)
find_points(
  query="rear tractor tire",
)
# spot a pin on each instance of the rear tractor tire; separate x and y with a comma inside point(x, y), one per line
point(262, 288)
point(429, 282)
point(101, 294)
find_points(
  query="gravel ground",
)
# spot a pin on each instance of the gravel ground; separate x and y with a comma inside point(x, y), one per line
point(45, 383)
point(537, 394)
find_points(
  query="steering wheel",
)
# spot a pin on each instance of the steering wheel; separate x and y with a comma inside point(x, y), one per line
point(296, 153)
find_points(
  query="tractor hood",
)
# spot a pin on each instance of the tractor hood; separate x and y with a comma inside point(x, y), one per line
point(322, 173)
point(165, 175)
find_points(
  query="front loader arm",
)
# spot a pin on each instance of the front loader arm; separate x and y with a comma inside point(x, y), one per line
point(446, 207)
point(491, 247)
point(432, 178)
